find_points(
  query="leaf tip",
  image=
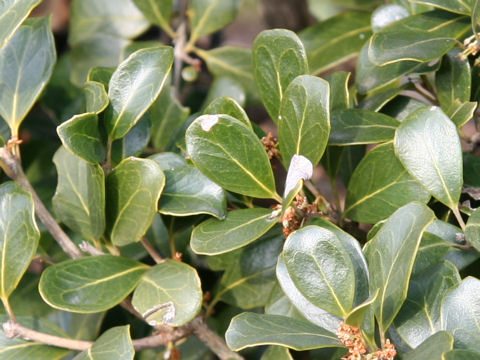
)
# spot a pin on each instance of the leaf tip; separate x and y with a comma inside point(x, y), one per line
point(300, 169)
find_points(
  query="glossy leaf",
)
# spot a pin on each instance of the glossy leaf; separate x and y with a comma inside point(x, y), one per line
point(230, 154)
point(335, 40)
point(394, 247)
point(356, 317)
point(228, 106)
point(19, 236)
point(278, 58)
point(134, 86)
point(428, 146)
point(339, 94)
point(250, 329)
point(321, 269)
point(90, 284)
point(101, 75)
point(96, 97)
point(423, 37)
point(459, 7)
point(380, 185)
point(472, 231)
point(433, 247)
point(279, 304)
point(169, 294)
point(168, 160)
point(81, 135)
point(239, 228)
point(79, 200)
point(158, 12)
point(460, 314)
point(189, 192)
point(355, 127)
point(299, 170)
point(113, 344)
point(432, 348)
point(134, 142)
point(26, 64)
point(13, 13)
point(387, 14)
point(133, 190)
point(461, 113)
point(402, 106)
point(304, 119)
point(379, 99)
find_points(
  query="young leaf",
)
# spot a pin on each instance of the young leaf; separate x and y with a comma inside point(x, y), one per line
point(304, 119)
point(26, 64)
point(428, 146)
point(19, 236)
point(230, 154)
point(356, 126)
point(90, 284)
point(13, 13)
point(113, 344)
point(169, 294)
point(239, 228)
point(134, 86)
point(158, 12)
point(79, 199)
point(228, 106)
point(133, 190)
point(394, 247)
point(81, 135)
point(96, 97)
point(278, 58)
point(189, 192)
point(379, 186)
point(321, 269)
point(250, 329)
point(335, 40)
point(432, 348)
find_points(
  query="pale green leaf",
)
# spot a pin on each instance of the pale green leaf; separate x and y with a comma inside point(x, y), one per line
point(339, 94)
point(12, 14)
point(386, 14)
point(228, 106)
point(431, 348)
point(96, 97)
point(461, 113)
point(158, 12)
point(113, 344)
point(461, 355)
point(472, 231)
point(275, 352)
point(459, 7)
point(168, 160)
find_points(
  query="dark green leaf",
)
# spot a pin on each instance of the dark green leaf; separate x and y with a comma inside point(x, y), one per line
point(96, 97)
point(339, 94)
point(432, 248)
point(402, 106)
point(276, 353)
point(158, 12)
point(113, 344)
point(423, 37)
point(472, 231)
point(379, 186)
point(461, 355)
point(432, 348)
point(133, 190)
point(189, 192)
point(461, 113)
point(168, 160)
point(101, 74)
point(351, 157)
point(249, 329)
point(387, 14)
point(428, 146)
point(90, 284)
point(13, 13)
point(394, 247)
point(239, 228)
point(168, 294)
point(81, 135)
point(471, 170)
point(226, 86)
point(79, 199)
point(459, 7)
point(279, 304)
point(335, 40)
point(134, 86)
point(278, 58)
point(304, 119)
point(19, 236)
point(26, 64)
point(134, 142)
point(228, 106)
point(230, 154)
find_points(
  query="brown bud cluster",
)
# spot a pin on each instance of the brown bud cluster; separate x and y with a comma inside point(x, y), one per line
point(270, 144)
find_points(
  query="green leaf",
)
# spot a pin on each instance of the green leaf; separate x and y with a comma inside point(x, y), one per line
point(432, 348)
point(250, 329)
point(167, 115)
point(101, 75)
point(356, 126)
point(428, 146)
point(19, 236)
point(394, 247)
point(168, 160)
point(402, 106)
point(226, 86)
point(276, 353)
point(420, 315)
point(13, 13)
point(228, 106)
point(133, 190)
point(321, 269)
point(379, 186)
point(134, 142)
point(169, 294)
point(113, 344)
point(459, 7)
point(339, 94)
point(461, 355)
point(335, 40)
point(134, 86)
point(280, 304)
point(239, 228)
point(432, 247)
point(386, 14)
point(278, 58)
point(96, 97)
point(230, 154)
point(189, 192)
point(471, 170)
point(461, 113)
point(208, 16)
point(461, 312)
point(90, 284)
point(379, 99)
point(472, 231)
point(304, 119)
point(26, 64)
point(423, 37)
point(81, 135)
point(356, 317)
point(453, 80)
point(79, 200)
point(158, 12)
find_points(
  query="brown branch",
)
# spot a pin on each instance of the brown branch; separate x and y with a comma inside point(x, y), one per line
point(13, 169)
point(152, 251)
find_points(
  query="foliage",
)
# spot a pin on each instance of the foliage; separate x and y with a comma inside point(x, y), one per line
point(180, 232)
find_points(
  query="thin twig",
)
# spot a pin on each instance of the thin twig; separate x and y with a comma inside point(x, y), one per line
point(152, 251)
point(88, 248)
point(13, 169)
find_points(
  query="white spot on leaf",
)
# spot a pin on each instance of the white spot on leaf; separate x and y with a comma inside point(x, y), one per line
point(207, 122)
point(168, 310)
point(300, 169)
